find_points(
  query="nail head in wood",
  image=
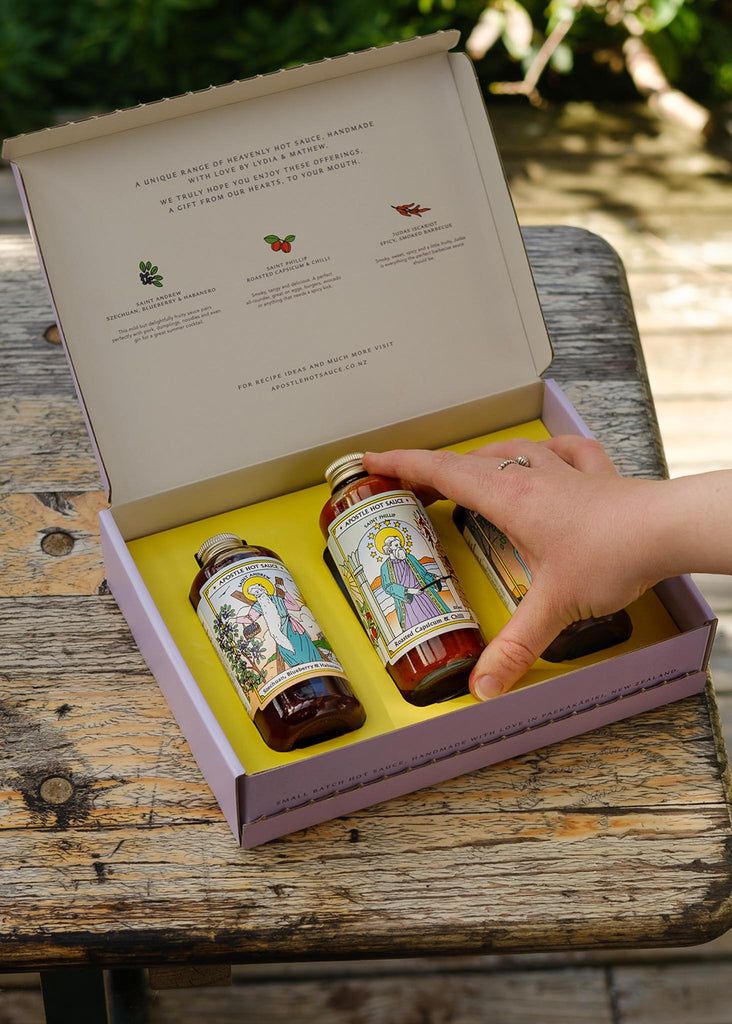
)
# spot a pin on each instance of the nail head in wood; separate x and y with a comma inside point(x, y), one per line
point(57, 543)
point(56, 790)
point(52, 335)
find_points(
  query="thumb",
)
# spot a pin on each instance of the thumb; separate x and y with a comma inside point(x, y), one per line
point(533, 626)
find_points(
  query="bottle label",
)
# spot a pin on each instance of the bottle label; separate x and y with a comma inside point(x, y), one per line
point(264, 633)
point(397, 574)
point(499, 559)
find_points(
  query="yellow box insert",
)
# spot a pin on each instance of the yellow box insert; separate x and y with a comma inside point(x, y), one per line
point(289, 525)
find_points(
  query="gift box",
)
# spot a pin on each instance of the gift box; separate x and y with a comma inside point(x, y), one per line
point(252, 280)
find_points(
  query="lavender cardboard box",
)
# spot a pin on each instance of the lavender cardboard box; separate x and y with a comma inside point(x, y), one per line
point(219, 370)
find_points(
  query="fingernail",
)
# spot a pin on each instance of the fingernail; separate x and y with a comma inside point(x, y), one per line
point(486, 687)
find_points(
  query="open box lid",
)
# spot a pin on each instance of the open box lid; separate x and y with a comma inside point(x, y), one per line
point(200, 344)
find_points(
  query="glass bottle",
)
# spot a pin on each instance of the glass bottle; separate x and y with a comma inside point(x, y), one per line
point(273, 650)
point(382, 545)
point(510, 576)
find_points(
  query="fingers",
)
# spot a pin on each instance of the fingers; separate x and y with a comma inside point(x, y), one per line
point(535, 452)
point(584, 453)
point(514, 650)
point(465, 480)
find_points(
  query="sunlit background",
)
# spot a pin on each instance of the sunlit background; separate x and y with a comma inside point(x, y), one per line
point(612, 115)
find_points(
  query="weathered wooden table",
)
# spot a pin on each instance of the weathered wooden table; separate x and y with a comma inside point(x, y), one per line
point(114, 852)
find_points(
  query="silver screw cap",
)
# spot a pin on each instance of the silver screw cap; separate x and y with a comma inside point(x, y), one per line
point(219, 542)
point(343, 467)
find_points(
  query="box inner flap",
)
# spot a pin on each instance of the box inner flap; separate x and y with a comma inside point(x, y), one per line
point(399, 296)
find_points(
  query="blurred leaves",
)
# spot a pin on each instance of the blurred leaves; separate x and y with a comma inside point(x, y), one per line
point(84, 55)
point(518, 30)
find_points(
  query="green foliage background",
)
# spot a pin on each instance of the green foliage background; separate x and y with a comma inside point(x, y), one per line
point(81, 55)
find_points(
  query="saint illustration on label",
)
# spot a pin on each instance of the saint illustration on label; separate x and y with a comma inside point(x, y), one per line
point(399, 578)
point(501, 561)
point(407, 581)
point(273, 641)
point(281, 615)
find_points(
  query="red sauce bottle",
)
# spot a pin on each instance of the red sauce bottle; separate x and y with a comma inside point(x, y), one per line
point(275, 654)
point(400, 582)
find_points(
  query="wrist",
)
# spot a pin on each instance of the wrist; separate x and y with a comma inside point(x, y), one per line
point(652, 526)
point(679, 533)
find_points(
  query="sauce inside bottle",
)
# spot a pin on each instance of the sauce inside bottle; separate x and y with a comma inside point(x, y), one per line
point(400, 583)
point(271, 646)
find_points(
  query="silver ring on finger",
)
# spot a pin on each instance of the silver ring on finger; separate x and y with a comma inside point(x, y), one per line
point(520, 460)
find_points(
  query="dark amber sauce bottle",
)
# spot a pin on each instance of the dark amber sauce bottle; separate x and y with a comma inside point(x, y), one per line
point(439, 667)
point(300, 713)
point(588, 636)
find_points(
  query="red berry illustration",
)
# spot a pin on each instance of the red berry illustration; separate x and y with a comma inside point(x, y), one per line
point(278, 244)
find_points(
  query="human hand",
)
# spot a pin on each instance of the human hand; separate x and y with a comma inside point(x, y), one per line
point(576, 522)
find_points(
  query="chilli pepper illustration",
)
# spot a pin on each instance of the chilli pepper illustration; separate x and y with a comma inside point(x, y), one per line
point(278, 244)
point(411, 209)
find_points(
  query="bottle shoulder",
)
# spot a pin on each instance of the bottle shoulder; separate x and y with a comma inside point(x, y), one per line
point(352, 493)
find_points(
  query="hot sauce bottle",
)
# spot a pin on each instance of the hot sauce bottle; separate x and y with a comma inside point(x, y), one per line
point(282, 667)
point(398, 579)
point(510, 576)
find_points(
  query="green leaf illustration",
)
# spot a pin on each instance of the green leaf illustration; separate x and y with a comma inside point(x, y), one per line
point(142, 265)
point(289, 238)
point(158, 277)
point(148, 265)
point(271, 238)
point(158, 284)
point(153, 270)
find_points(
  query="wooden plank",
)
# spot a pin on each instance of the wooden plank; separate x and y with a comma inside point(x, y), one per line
point(189, 976)
point(21, 1007)
point(51, 543)
point(601, 815)
point(673, 994)
point(516, 998)
point(24, 980)
point(115, 850)
point(45, 446)
point(717, 950)
point(678, 994)
point(521, 997)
